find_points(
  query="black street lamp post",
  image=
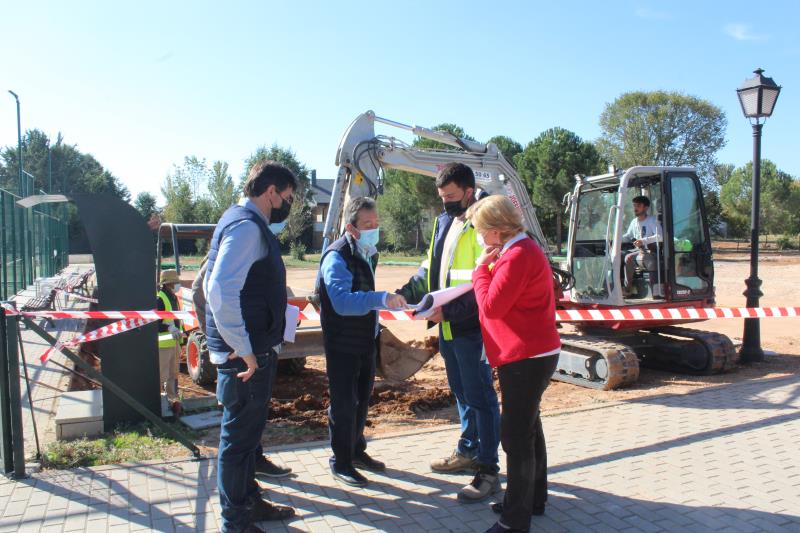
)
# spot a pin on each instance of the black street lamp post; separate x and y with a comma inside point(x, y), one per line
point(757, 96)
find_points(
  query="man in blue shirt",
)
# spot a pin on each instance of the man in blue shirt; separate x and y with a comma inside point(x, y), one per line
point(245, 289)
point(350, 332)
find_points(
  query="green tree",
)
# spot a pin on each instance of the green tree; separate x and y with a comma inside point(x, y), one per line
point(299, 223)
point(507, 146)
point(548, 165)
point(72, 170)
point(400, 218)
point(780, 200)
point(222, 192)
point(180, 201)
point(662, 128)
point(145, 203)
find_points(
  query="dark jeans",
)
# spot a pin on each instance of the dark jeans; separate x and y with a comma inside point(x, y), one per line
point(244, 415)
point(351, 377)
point(470, 379)
point(522, 384)
point(273, 374)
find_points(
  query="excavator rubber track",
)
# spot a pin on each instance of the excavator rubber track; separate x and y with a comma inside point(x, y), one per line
point(596, 363)
point(716, 354)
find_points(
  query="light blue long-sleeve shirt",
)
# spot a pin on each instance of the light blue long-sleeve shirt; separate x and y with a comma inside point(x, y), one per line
point(241, 246)
point(339, 282)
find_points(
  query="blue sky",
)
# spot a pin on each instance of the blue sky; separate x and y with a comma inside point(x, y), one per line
point(142, 86)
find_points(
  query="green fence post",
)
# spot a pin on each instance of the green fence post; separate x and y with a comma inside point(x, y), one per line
point(14, 397)
point(3, 247)
point(6, 447)
point(13, 248)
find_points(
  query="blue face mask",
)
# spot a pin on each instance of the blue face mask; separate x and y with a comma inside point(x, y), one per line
point(369, 240)
point(277, 227)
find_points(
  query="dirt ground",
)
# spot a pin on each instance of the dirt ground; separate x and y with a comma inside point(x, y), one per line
point(298, 409)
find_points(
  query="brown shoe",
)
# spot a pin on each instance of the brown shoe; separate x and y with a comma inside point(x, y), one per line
point(266, 511)
point(454, 463)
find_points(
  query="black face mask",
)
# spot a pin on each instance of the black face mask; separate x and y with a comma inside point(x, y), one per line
point(455, 209)
point(281, 213)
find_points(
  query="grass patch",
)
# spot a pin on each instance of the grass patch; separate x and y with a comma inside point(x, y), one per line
point(138, 443)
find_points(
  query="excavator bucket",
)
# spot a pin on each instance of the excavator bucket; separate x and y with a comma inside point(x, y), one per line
point(399, 360)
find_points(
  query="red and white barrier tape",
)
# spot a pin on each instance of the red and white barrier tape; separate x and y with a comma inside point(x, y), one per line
point(100, 333)
point(562, 315)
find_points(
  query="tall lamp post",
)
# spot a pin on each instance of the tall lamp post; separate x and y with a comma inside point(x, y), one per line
point(757, 95)
point(21, 192)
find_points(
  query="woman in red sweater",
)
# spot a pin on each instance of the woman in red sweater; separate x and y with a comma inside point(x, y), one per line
point(514, 288)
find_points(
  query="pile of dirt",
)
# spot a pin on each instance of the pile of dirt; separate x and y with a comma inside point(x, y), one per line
point(405, 400)
point(398, 402)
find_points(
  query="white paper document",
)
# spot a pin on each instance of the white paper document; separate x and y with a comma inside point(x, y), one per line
point(292, 314)
point(435, 299)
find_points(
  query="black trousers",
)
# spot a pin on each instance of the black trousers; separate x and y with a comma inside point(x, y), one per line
point(351, 377)
point(522, 384)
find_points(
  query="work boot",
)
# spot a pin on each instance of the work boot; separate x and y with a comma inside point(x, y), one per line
point(454, 463)
point(265, 467)
point(483, 485)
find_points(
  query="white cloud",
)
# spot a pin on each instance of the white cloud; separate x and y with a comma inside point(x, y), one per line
point(742, 32)
point(652, 14)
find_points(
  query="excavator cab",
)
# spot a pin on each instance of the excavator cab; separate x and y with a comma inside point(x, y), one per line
point(676, 266)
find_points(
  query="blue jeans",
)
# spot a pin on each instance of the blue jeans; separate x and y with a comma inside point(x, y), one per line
point(470, 379)
point(244, 416)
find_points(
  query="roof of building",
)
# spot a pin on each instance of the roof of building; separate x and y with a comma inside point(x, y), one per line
point(321, 190)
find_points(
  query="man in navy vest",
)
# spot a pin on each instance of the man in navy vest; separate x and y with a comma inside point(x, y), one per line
point(350, 331)
point(245, 289)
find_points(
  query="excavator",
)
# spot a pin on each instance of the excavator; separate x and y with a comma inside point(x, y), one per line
point(600, 355)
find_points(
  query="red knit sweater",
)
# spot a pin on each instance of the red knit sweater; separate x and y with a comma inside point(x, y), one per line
point(516, 304)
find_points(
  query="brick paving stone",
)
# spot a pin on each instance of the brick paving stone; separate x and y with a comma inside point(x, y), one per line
point(721, 459)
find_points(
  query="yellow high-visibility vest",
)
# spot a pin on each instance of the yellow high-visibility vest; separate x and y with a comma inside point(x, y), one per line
point(461, 264)
point(165, 339)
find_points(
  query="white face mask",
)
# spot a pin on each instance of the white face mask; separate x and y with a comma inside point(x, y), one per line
point(479, 238)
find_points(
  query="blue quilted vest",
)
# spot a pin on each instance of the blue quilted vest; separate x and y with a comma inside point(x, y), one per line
point(263, 296)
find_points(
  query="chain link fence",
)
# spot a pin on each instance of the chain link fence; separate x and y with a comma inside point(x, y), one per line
point(33, 243)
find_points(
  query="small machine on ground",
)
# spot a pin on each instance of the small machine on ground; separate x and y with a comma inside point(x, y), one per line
point(194, 349)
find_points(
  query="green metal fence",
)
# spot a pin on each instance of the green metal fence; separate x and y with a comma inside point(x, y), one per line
point(33, 243)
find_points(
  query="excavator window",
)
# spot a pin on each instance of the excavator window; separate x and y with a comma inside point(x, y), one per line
point(688, 235)
point(592, 262)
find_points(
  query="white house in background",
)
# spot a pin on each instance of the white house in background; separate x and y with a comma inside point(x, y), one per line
point(321, 191)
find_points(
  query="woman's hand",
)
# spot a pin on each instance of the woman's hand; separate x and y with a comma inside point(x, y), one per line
point(489, 254)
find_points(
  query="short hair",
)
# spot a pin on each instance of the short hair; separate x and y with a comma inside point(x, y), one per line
point(357, 205)
point(457, 173)
point(265, 173)
point(644, 200)
point(496, 212)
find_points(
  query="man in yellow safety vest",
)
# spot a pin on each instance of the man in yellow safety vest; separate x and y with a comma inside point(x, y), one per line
point(169, 334)
point(451, 259)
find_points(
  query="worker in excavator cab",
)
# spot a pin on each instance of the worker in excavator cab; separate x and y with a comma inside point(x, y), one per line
point(453, 252)
point(644, 232)
point(169, 335)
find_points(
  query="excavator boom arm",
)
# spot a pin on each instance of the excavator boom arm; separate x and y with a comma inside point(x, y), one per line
point(362, 155)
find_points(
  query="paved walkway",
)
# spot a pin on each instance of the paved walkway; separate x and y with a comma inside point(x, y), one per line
point(724, 459)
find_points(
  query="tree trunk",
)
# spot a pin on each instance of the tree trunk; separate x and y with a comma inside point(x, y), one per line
point(558, 232)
